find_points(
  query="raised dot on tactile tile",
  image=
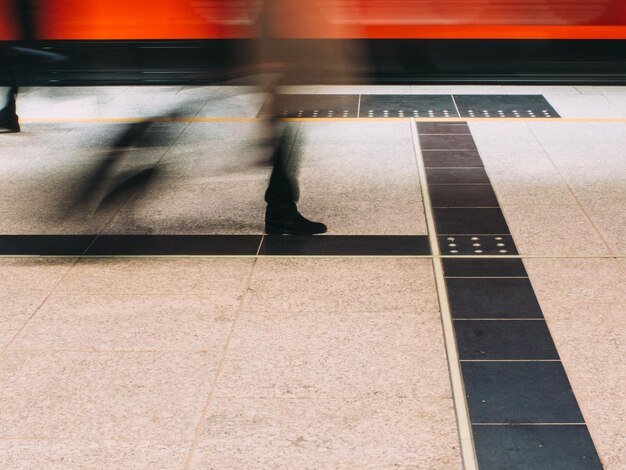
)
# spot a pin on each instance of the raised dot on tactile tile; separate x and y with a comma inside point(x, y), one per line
point(500, 244)
point(453, 251)
point(450, 238)
point(475, 238)
point(475, 244)
point(451, 244)
point(478, 251)
point(498, 238)
point(503, 251)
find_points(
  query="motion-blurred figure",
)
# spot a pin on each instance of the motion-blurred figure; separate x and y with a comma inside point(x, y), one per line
point(292, 63)
point(16, 58)
point(23, 16)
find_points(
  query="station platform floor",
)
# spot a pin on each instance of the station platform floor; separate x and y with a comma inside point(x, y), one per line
point(466, 308)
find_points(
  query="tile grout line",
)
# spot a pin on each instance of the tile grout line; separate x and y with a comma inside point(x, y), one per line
point(468, 451)
point(571, 190)
point(7, 346)
point(458, 112)
point(218, 372)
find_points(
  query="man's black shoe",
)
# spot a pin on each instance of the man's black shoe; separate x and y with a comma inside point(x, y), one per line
point(296, 225)
point(9, 124)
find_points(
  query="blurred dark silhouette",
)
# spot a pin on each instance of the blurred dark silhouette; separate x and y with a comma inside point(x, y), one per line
point(17, 58)
point(291, 63)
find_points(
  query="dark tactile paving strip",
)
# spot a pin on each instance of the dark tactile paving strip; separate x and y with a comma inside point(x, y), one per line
point(172, 245)
point(504, 340)
point(45, 245)
point(355, 245)
point(537, 447)
point(477, 245)
point(478, 221)
point(213, 245)
point(315, 106)
point(464, 267)
point(523, 412)
point(418, 106)
point(519, 392)
point(413, 106)
point(447, 142)
point(452, 159)
point(446, 128)
point(462, 195)
point(492, 298)
point(438, 176)
point(510, 106)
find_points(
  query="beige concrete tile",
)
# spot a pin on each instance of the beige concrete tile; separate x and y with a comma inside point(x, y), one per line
point(589, 155)
point(372, 216)
point(601, 90)
point(364, 89)
point(16, 309)
point(553, 230)
point(574, 134)
point(363, 132)
point(130, 323)
point(610, 219)
point(489, 134)
point(346, 285)
point(147, 105)
point(329, 434)
point(458, 89)
point(584, 106)
point(158, 276)
point(530, 187)
point(605, 417)
point(227, 204)
point(126, 396)
point(332, 355)
point(233, 104)
point(74, 106)
point(545, 90)
point(596, 371)
point(80, 454)
point(572, 281)
point(31, 276)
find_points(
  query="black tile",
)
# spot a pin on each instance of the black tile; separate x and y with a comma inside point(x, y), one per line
point(411, 106)
point(470, 221)
point(492, 298)
point(442, 128)
point(356, 245)
point(477, 245)
point(519, 392)
point(451, 158)
point(45, 245)
point(315, 106)
point(504, 340)
point(153, 245)
point(504, 106)
point(462, 195)
point(464, 267)
point(446, 142)
point(456, 175)
point(535, 448)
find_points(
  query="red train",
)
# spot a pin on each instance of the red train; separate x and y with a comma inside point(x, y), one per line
point(365, 19)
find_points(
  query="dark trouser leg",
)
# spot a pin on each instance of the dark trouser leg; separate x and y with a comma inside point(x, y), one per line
point(281, 215)
point(8, 116)
point(280, 195)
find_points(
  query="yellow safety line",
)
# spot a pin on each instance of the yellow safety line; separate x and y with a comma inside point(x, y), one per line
point(226, 119)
